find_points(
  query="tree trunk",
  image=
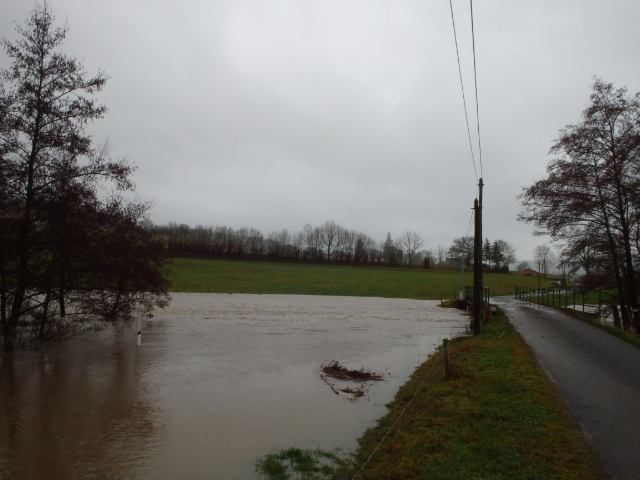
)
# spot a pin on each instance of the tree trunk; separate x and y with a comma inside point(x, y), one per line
point(616, 315)
point(45, 314)
point(9, 334)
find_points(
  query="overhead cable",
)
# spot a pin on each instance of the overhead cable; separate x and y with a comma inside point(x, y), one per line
point(470, 223)
point(475, 79)
point(464, 101)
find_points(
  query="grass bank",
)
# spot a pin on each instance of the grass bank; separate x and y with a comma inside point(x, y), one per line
point(629, 337)
point(227, 276)
point(497, 416)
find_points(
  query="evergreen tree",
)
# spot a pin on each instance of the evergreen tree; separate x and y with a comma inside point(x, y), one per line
point(487, 252)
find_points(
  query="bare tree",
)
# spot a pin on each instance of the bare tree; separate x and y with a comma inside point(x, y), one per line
point(544, 256)
point(329, 234)
point(346, 244)
point(593, 187)
point(410, 242)
point(242, 240)
point(583, 254)
point(440, 255)
point(221, 238)
point(46, 156)
point(462, 247)
point(200, 238)
point(312, 241)
point(428, 258)
point(255, 240)
point(278, 243)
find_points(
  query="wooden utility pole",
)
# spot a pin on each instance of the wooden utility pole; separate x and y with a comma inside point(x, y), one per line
point(478, 288)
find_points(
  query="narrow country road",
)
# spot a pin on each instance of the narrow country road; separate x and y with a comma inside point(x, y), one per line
point(598, 375)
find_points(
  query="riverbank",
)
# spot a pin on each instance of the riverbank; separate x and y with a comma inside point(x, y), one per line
point(497, 416)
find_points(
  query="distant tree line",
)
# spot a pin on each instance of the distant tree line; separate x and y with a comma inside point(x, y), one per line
point(328, 242)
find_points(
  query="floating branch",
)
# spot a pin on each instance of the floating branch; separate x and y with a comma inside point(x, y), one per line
point(351, 393)
point(335, 370)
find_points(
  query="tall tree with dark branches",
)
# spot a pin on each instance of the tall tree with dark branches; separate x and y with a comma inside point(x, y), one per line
point(56, 230)
point(591, 196)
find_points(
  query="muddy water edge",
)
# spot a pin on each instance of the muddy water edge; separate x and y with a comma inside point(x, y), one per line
point(218, 381)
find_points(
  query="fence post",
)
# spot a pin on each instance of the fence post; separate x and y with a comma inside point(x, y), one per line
point(445, 349)
point(531, 295)
point(599, 304)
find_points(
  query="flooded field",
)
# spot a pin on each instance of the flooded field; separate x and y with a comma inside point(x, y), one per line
point(218, 381)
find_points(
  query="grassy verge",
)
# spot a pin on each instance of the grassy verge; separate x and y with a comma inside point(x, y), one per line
point(629, 337)
point(224, 276)
point(497, 416)
point(592, 319)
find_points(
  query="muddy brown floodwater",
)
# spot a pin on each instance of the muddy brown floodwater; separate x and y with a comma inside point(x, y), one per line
point(218, 381)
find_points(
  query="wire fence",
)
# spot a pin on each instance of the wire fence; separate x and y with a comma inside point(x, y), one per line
point(592, 301)
point(424, 379)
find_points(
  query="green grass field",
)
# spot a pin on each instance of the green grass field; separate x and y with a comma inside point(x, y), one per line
point(230, 276)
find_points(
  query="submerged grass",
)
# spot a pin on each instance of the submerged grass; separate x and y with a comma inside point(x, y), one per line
point(230, 276)
point(296, 463)
point(496, 417)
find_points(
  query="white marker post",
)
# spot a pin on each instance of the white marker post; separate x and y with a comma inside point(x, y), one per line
point(139, 342)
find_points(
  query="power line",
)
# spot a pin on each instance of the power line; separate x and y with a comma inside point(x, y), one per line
point(470, 223)
point(464, 101)
point(475, 80)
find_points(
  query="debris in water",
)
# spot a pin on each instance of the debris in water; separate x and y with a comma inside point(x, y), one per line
point(335, 370)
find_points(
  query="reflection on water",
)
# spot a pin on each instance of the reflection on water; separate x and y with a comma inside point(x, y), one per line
point(73, 411)
point(218, 381)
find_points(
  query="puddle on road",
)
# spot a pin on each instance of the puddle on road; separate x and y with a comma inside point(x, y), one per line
point(219, 381)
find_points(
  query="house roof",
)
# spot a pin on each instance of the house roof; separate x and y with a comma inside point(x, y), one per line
point(527, 272)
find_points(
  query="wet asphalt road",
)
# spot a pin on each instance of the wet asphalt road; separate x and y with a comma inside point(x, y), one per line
point(598, 375)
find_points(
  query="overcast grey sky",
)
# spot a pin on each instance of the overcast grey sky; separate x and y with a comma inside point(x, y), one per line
point(276, 113)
